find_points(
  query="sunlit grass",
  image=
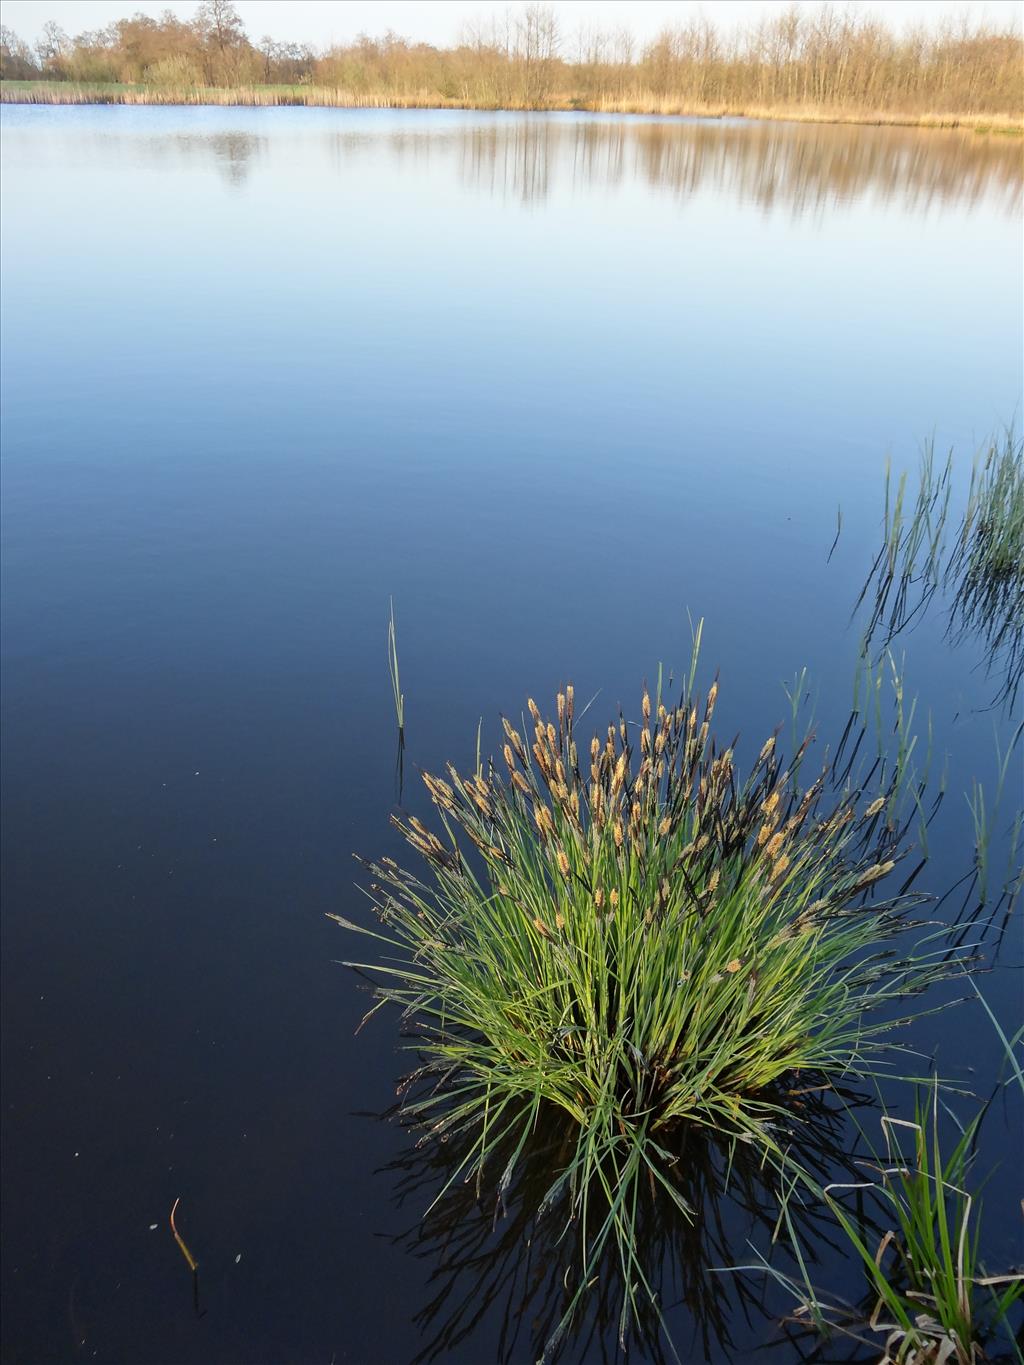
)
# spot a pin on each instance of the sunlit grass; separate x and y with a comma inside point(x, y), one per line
point(641, 937)
point(396, 682)
point(986, 564)
point(914, 1222)
point(979, 564)
point(637, 101)
point(933, 1300)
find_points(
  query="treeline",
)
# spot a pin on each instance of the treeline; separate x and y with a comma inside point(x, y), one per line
point(828, 59)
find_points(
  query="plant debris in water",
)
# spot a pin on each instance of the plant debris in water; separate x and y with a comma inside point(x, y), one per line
point(930, 1300)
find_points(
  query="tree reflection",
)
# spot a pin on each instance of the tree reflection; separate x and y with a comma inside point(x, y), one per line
point(802, 168)
point(798, 169)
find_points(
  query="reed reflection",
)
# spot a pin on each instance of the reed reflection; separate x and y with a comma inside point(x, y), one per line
point(508, 1255)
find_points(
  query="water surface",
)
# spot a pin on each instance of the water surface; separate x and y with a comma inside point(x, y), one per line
point(552, 382)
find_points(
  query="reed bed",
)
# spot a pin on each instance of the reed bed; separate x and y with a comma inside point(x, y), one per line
point(986, 564)
point(980, 566)
point(334, 97)
point(638, 937)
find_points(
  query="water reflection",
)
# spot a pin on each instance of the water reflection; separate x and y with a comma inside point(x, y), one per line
point(803, 168)
point(496, 1258)
point(232, 153)
point(800, 169)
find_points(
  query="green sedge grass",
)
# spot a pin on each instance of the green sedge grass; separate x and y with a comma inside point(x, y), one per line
point(986, 565)
point(636, 937)
point(979, 563)
point(396, 682)
point(933, 1300)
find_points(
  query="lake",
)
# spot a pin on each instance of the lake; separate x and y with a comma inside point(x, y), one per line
point(556, 385)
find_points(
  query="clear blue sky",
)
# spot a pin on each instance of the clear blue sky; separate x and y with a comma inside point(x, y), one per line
point(439, 21)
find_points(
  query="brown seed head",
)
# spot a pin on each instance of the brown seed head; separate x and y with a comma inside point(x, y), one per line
point(774, 846)
point(877, 870)
point(619, 776)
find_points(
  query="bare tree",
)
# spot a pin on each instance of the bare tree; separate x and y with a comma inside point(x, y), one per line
point(535, 45)
point(16, 62)
point(220, 23)
point(53, 45)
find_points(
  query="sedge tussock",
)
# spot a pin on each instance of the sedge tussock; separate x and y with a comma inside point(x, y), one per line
point(622, 947)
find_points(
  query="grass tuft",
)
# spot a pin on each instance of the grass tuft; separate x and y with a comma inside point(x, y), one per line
point(980, 565)
point(634, 935)
point(933, 1301)
point(986, 564)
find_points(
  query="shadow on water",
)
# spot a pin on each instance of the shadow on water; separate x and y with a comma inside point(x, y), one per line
point(511, 1257)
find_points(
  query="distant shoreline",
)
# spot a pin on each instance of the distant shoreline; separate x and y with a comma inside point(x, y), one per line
point(327, 97)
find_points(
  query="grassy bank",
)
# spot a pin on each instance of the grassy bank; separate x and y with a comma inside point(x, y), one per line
point(332, 97)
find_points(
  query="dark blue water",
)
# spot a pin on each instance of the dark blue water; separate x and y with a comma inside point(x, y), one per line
point(552, 383)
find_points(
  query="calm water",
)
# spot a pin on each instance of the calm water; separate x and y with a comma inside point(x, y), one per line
point(550, 382)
